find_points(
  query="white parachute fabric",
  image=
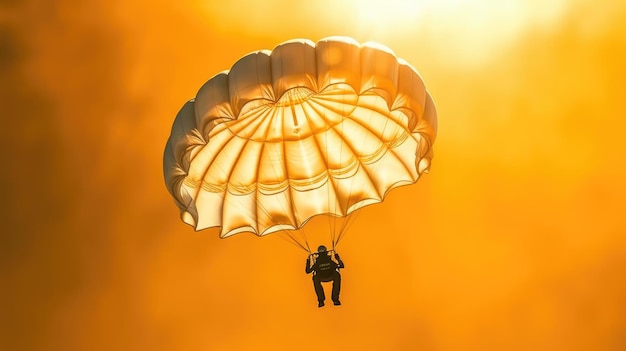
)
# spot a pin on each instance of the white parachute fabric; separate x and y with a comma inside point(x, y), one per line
point(302, 130)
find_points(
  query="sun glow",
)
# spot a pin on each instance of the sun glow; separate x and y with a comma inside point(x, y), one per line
point(374, 12)
point(464, 32)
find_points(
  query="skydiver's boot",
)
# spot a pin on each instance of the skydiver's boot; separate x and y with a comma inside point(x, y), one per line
point(320, 304)
point(336, 302)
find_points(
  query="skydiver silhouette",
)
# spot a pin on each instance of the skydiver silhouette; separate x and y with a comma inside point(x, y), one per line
point(325, 270)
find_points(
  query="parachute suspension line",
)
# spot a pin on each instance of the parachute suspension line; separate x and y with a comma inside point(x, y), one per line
point(324, 114)
point(353, 218)
point(289, 234)
point(289, 237)
point(344, 225)
point(294, 241)
point(331, 217)
point(306, 241)
point(348, 216)
point(334, 236)
point(350, 219)
point(295, 208)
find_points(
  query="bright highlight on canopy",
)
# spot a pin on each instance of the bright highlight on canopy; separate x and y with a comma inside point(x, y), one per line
point(302, 130)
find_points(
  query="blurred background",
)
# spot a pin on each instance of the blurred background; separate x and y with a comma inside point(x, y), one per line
point(514, 241)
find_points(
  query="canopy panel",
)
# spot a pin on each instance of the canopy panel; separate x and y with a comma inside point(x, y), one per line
point(302, 130)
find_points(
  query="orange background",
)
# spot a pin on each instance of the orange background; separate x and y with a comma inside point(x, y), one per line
point(514, 241)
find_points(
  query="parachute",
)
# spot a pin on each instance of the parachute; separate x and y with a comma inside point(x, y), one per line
point(305, 129)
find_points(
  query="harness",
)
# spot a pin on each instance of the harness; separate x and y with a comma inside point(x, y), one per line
point(325, 267)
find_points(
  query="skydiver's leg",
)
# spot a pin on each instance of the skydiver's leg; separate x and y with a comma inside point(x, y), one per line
point(319, 290)
point(336, 288)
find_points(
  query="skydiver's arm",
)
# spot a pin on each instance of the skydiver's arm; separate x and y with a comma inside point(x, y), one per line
point(339, 261)
point(308, 268)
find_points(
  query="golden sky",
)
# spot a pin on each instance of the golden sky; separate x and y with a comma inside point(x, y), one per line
point(514, 241)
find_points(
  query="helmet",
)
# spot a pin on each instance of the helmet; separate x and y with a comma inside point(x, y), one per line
point(321, 248)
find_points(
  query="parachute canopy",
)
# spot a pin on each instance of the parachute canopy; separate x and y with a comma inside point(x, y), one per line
point(305, 129)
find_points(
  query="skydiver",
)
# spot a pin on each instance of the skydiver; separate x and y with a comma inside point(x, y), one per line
point(325, 270)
